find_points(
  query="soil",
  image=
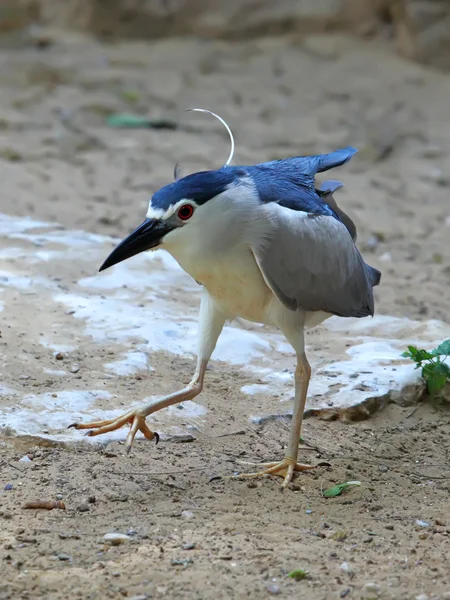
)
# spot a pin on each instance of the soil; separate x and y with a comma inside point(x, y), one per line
point(189, 537)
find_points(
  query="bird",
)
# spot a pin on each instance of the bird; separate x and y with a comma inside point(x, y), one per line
point(266, 245)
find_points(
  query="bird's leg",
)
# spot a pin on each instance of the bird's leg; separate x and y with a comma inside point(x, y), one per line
point(289, 465)
point(211, 322)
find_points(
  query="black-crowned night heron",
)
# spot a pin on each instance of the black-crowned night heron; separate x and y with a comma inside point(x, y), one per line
point(267, 246)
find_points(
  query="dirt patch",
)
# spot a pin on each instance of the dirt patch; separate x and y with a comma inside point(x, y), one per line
point(192, 539)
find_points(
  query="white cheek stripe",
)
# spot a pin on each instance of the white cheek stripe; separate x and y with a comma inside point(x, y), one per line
point(159, 213)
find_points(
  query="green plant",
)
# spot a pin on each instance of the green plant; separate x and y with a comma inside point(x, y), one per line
point(435, 371)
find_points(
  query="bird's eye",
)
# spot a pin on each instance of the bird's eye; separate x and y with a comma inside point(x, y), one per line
point(186, 212)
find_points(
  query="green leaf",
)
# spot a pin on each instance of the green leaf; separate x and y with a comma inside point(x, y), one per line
point(298, 574)
point(124, 120)
point(436, 375)
point(337, 490)
point(418, 355)
point(443, 349)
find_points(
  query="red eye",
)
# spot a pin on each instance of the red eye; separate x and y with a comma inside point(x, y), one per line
point(186, 212)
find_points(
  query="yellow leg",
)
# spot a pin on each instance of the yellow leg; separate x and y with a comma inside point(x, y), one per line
point(136, 418)
point(289, 465)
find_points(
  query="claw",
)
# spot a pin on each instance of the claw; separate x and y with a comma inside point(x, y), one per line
point(285, 468)
point(136, 421)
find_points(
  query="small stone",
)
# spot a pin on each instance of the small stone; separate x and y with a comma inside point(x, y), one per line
point(8, 486)
point(92, 500)
point(64, 557)
point(189, 546)
point(368, 540)
point(252, 484)
point(423, 536)
point(371, 591)
point(74, 368)
point(187, 514)
point(346, 568)
point(383, 468)
point(185, 562)
point(273, 590)
point(59, 496)
point(420, 523)
point(339, 536)
point(389, 527)
point(25, 459)
point(308, 511)
point(83, 507)
point(59, 356)
point(422, 597)
point(115, 539)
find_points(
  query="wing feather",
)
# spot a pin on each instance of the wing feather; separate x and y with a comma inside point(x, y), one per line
point(311, 261)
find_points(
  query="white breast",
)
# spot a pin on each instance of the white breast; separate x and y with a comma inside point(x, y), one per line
point(233, 280)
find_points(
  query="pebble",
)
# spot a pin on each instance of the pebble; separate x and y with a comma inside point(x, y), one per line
point(422, 597)
point(420, 523)
point(383, 468)
point(273, 590)
point(25, 459)
point(115, 539)
point(187, 514)
point(189, 546)
point(63, 556)
point(8, 486)
point(59, 356)
point(346, 568)
point(371, 591)
point(74, 368)
point(83, 507)
point(308, 511)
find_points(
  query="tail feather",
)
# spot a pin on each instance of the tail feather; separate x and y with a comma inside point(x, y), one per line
point(374, 275)
point(334, 159)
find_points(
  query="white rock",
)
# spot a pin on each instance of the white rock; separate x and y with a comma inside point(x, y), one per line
point(371, 591)
point(115, 539)
point(422, 597)
point(187, 514)
point(346, 568)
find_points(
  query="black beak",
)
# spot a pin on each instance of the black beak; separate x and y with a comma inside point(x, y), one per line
point(148, 235)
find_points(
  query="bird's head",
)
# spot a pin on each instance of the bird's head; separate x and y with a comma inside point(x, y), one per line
point(179, 212)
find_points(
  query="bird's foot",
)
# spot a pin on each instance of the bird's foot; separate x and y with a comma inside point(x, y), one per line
point(285, 468)
point(136, 422)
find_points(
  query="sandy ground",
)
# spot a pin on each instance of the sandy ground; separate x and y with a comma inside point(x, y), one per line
point(191, 538)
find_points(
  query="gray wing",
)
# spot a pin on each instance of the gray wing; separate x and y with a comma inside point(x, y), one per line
point(327, 189)
point(310, 261)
